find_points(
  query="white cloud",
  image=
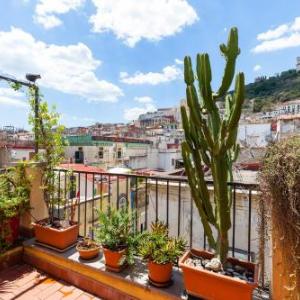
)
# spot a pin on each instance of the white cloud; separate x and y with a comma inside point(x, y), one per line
point(256, 68)
point(283, 36)
point(46, 11)
point(69, 69)
point(73, 119)
point(133, 113)
point(13, 98)
point(144, 99)
point(133, 20)
point(178, 61)
point(273, 33)
point(168, 73)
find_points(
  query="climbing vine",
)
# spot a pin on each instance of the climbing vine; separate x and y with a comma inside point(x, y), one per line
point(48, 135)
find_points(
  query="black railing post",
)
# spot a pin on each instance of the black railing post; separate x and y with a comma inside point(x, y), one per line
point(233, 220)
point(168, 203)
point(179, 207)
point(85, 203)
point(249, 225)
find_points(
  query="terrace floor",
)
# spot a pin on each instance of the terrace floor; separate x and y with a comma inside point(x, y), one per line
point(25, 282)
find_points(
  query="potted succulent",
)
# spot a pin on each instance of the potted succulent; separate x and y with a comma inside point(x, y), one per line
point(116, 235)
point(52, 231)
point(161, 251)
point(14, 201)
point(211, 140)
point(87, 248)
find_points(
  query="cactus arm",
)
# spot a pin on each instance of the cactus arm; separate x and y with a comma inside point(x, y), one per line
point(204, 78)
point(188, 71)
point(235, 115)
point(230, 52)
point(194, 108)
point(196, 196)
point(194, 148)
point(239, 96)
point(203, 190)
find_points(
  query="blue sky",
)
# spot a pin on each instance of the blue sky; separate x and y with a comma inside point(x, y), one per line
point(109, 60)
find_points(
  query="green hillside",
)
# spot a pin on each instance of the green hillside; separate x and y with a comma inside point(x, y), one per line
point(266, 92)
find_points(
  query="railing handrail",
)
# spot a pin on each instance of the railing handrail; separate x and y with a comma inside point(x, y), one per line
point(246, 185)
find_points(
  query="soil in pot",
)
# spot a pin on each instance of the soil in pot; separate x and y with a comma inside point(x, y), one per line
point(229, 269)
point(235, 280)
point(160, 274)
point(58, 234)
point(114, 260)
point(88, 249)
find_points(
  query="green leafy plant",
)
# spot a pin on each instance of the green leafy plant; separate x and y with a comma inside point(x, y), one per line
point(14, 192)
point(115, 232)
point(48, 135)
point(14, 198)
point(211, 139)
point(158, 247)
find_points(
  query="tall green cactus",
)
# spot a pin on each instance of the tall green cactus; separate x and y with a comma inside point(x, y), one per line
point(211, 139)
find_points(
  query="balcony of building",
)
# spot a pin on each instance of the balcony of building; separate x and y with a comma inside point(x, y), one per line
point(50, 274)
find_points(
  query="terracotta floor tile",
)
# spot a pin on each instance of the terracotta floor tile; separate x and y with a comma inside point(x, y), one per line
point(85, 297)
point(55, 296)
point(50, 290)
point(74, 294)
point(67, 290)
point(23, 282)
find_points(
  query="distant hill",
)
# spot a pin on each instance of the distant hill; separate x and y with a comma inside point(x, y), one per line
point(263, 94)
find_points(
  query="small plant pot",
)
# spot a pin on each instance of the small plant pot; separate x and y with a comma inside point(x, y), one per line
point(60, 239)
point(87, 254)
point(113, 259)
point(210, 285)
point(160, 274)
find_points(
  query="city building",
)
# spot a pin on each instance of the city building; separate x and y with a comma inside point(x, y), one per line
point(285, 108)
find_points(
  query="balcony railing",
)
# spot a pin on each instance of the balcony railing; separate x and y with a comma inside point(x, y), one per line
point(153, 198)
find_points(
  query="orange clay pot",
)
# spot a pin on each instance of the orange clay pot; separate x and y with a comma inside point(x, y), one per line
point(113, 259)
point(88, 253)
point(57, 238)
point(160, 273)
point(213, 286)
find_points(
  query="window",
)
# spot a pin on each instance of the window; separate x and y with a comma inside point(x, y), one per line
point(119, 153)
point(100, 153)
point(79, 156)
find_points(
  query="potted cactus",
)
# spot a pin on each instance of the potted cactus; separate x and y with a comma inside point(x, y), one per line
point(116, 235)
point(161, 251)
point(211, 140)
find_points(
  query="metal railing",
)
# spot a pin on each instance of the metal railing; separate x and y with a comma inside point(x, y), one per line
point(153, 198)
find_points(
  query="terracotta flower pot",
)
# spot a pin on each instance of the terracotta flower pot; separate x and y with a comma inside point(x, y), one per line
point(113, 259)
point(12, 226)
point(88, 253)
point(60, 238)
point(160, 273)
point(214, 286)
